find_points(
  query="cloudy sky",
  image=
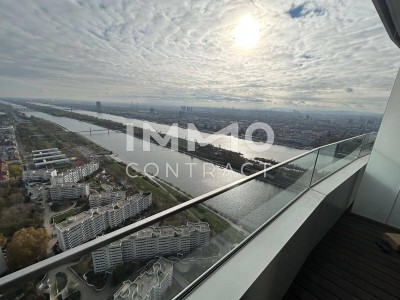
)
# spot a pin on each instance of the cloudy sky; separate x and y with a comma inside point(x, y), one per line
point(332, 54)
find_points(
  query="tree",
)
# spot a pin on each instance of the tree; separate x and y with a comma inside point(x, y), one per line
point(16, 198)
point(27, 246)
point(15, 170)
point(3, 240)
point(15, 214)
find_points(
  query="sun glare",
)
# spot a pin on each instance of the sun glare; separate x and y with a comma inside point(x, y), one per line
point(247, 32)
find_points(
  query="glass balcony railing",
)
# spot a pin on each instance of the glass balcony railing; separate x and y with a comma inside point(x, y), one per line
point(368, 143)
point(170, 252)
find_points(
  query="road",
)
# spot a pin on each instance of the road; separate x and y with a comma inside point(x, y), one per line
point(47, 216)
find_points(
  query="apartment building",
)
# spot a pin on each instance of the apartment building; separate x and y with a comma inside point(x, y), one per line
point(150, 285)
point(102, 199)
point(150, 242)
point(43, 175)
point(89, 224)
point(4, 174)
point(8, 142)
point(75, 174)
point(68, 191)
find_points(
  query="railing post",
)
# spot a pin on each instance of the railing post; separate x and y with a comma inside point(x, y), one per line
point(313, 171)
point(362, 144)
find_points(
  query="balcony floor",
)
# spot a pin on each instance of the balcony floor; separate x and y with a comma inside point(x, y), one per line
point(348, 264)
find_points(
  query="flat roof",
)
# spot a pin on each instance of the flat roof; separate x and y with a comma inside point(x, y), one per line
point(68, 184)
point(44, 163)
point(140, 288)
point(44, 158)
point(44, 150)
point(79, 218)
point(107, 195)
point(166, 231)
point(46, 153)
point(39, 171)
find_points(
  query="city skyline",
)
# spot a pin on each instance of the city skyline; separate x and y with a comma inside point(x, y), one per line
point(304, 54)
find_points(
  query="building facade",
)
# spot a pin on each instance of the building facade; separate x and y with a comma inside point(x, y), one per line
point(76, 174)
point(8, 142)
point(102, 199)
point(38, 175)
point(98, 106)
point(68, 191)
point(151, 242)
point(4, 175)
point(87, 225)
point(150, 285)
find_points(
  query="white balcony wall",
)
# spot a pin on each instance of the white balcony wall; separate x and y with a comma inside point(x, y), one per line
point(377, 197)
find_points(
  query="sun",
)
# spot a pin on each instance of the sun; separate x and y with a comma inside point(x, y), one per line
point(247, 32)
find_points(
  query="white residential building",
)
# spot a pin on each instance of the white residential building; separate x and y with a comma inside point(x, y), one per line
point(150, 242)
point(38, 175)
point(68, 191)
point(89, 224)
point(150, 285)
point(76, 174)
point(102, 199)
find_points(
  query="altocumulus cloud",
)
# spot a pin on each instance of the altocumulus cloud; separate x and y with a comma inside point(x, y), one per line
point(309, 53)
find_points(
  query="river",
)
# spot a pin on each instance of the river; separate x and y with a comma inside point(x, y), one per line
point(249, 205)
point(276, 152)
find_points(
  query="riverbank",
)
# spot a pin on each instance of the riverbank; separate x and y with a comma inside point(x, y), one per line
point(107, 110)
point(184, 197)
point(238, 205)
point(165, 195)
point(209, 153)
point(164, 199)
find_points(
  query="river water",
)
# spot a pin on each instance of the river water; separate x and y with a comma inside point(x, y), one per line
point(249, 205)
point(228, 142)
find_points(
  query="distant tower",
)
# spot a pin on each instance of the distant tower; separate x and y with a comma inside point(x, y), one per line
point(98, 106)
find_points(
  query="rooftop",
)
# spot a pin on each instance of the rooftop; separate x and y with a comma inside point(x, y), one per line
point(48, 157)
point(68, 184)
point(107, 195)
point(27, 172)
point(165, 231)
point(141, 287)
point(39, 164)
point(44, 150)
point(48, 153)
point(79, 218)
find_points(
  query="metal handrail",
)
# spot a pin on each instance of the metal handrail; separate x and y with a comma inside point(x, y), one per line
point(77, 252)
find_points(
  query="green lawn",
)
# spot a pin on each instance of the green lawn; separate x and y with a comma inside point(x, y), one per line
point(62, 217)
